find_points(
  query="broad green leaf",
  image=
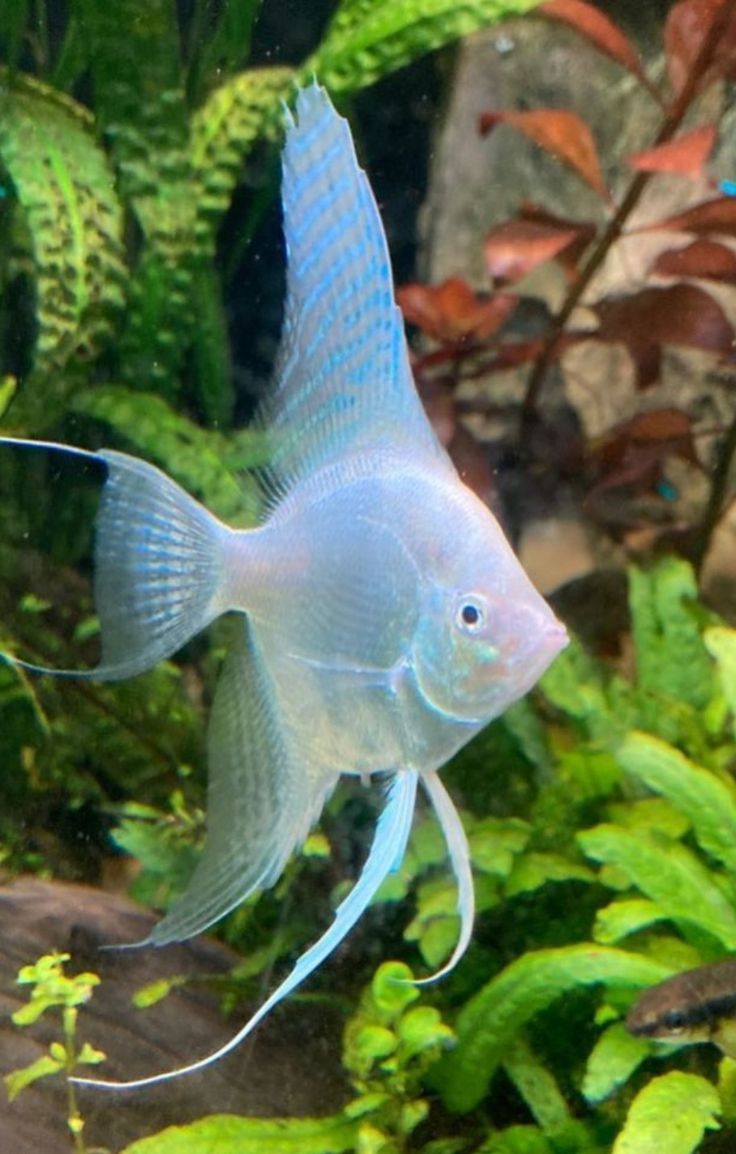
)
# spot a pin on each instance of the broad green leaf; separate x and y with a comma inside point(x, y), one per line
point(494, 843)
point(708, 801)
point(671, 659)
point(622, 918)
point(229, 1134)
point(612, 1061)
point(66, 191)
point(517, 1140)
point(367, 41)
point(421, 1028)
point(531, 871)
point(491, 1019)
point(721, 644)
point(669, 874)
point(194, 456)
point(670, 1114)
point(536, 1085)
point(43, 1067)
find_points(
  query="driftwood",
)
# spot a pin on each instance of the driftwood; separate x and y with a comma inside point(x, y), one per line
point(290, 1066)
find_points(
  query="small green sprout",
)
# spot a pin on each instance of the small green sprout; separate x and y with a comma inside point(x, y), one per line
point(53, 989)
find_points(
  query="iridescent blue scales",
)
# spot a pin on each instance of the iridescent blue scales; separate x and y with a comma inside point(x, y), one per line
point(385, 619)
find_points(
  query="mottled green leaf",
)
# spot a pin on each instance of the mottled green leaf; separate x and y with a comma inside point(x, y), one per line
point(670, 1114)
point(491, 1019)
point(612, 1061)
point(669, 874)
point(708, 801)
point(536, 1085)
point(622, 918)
point(66, 191)
point(368, 40)
point(721, 644)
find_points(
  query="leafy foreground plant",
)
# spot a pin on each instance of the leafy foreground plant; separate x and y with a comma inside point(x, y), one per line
point(389, 1044)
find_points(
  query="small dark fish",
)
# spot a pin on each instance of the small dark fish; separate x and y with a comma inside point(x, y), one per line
point(695, 1006)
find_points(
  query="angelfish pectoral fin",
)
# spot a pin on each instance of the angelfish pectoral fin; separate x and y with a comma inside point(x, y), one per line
point(459, 850)
point(159, 558)
point(391, 831)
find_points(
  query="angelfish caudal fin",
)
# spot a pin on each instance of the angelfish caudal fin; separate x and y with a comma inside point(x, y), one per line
point(159, 565)
point(392, 830)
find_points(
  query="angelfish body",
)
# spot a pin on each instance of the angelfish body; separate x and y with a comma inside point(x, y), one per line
point(385, 617)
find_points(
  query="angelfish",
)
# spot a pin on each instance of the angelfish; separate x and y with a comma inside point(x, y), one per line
point(385, 618)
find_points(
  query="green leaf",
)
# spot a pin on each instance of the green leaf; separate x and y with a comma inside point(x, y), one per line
point(517, 1140)
point(669, 874)
point(420, 1029)
point(229, 1134)
point(66, 192)
point(671, 1113)
point(393, 989)
point(366, 41)
point(534, 870)
point(238, 112)
point(612, 1061)
point(671, 659)
point(43, 1067)
point(194, 456)
point(708, 801)
point(721, 644)
point(491, 1019)
point(536, 1085)
point(622, 918)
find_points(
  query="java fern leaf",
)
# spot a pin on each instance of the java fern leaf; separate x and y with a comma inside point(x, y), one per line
point(231, 1134)
point(65, 189)
point(490, 1020)
point(671, 1113)
point(708, 801)
point(366, 41)
point(669, 874)
point(198, 458)
point(612, 1061)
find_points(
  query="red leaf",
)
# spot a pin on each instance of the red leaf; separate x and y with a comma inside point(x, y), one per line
point(702, 258)
point(514, 248)
point(682, 314)
point(687, 25)
point(633, 453)
point(451, 312)
point(602, 33)
point(717, 215)
point(686, 155)
point(565, 135)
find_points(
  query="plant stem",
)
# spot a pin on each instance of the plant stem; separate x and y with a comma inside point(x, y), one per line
point(670, 125)
point(716, 498)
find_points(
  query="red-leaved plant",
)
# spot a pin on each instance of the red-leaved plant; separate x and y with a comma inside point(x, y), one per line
point(467, 332)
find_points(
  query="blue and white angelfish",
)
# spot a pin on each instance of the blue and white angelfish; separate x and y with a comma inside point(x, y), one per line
point(385, 618)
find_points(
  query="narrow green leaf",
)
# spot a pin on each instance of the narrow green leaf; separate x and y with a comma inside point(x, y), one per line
point(493, 1017)
point(536, 1085)
point(43, 1067)
point(229, 1134)
point(721, 644)
point(667, 873)
point(367, 41)
point(533, 870)
point(670, 1114)
point(194, 456)
point(708, 801)
point(612, 1061)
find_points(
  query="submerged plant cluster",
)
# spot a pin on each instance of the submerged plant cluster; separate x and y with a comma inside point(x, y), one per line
point(601, 813)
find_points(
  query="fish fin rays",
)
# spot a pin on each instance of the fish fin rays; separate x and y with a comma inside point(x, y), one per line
point(343, 379)
point(159, 559)
point(391, 830)
point(459, 851)
point(261, 800)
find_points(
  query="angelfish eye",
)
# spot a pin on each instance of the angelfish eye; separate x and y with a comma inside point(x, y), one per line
point(471, 615)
